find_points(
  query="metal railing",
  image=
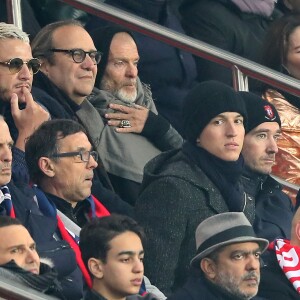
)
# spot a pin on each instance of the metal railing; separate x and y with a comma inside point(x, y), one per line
point(241, 68)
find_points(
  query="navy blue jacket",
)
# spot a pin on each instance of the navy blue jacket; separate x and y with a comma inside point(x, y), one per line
point(43, 229)
point(271, 204)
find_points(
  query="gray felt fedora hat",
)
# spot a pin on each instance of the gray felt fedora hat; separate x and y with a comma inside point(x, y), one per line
point(224, 229)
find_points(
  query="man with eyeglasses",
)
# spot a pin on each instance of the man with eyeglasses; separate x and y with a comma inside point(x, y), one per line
point(17, 67)
point(61, 163)
point(18, 201)
point(68, 72)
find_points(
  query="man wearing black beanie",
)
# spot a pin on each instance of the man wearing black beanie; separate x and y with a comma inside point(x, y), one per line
point(183, 187)
point(273, 208)
point(134, 132)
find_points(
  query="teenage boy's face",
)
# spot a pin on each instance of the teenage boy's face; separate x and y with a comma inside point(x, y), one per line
point(123, 271)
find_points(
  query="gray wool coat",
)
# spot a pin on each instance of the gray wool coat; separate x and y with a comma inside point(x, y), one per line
point(175, 197)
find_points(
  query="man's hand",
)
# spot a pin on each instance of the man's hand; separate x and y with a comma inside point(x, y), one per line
point(136, 115)
point(27, 119)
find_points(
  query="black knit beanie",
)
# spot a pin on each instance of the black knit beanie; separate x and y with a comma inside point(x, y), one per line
point(102, 37)
point(259, 111)
point(204, 102)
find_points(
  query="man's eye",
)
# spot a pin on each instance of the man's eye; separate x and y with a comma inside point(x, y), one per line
point(257, 254)
point(119, 63)
point(262, 135)
point(239, 121)
point(15, 250)
point(218, 122)
point(238, 256)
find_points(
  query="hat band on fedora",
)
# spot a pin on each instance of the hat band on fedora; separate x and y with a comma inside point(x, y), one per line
point(235, 232)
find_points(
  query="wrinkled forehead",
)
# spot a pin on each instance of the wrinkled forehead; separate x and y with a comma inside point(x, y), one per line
point(72, 37)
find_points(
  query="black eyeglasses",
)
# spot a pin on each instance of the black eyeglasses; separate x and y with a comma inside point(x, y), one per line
point(15, 65)
point(79, 55)
point(83, 154)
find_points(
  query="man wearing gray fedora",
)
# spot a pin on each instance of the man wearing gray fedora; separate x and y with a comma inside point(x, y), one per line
point(227, 263)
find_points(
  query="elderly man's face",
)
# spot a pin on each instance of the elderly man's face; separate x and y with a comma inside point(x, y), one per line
point(236, 269)
point(76, 80)
point(17, 244)
point(70, 177)
point(13, 83)
point(121, 71)
point(260, 147)
point(6, 143)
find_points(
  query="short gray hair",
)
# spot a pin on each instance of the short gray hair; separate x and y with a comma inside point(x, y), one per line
point(10, 31)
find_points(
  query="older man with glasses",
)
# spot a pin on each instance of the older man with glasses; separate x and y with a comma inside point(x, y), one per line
point(68, 70)
point(17, 67)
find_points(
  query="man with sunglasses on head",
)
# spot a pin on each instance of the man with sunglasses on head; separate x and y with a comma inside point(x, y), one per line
point(17, 67)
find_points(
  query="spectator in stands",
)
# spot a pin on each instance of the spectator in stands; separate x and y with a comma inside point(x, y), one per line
point(62, 161)
point(227, 263)
point(280, 274)
point(259, 151)
point(17, 67)
point(281, 54)
point(18, 201)
point(69, 66)
point(171, 72)
point(20, 262)
point(112, 250)
point(183, 187)
point(69, 77)
point(123, 98)
point(232, 25)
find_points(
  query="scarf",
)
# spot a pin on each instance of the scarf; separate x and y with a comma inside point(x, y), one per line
point(6, 202)
point(125, 154)
point(48, 209)
point(43, 282)
point(224, 174)
point(258, 7)
point(288, 258)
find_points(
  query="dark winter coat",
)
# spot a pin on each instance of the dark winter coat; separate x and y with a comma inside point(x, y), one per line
point(176, 197)
point(43, 229)
point(273, 208)
point(199, 288)
point(93, 295)
point(274, 285)
point(222, 24)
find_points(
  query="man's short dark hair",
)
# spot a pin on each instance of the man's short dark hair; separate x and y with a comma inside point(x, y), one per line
point(96, 235)
point(8, 221)
point(44, 142)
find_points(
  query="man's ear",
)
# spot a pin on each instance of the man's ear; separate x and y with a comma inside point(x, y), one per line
point(96, 267)
point(208, 266)
point(46, 166)
point(44, 66)
point(297, 230)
